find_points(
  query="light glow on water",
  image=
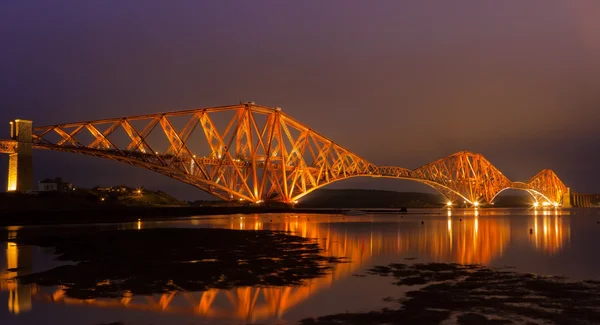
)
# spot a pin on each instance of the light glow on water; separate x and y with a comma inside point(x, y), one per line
point(525, 240)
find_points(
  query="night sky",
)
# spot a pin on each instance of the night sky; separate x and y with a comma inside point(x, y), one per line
point(397, 82)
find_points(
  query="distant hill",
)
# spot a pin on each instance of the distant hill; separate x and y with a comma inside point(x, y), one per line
point(513, 201)
point(358, 198)
point(325, 198)
point(81, 198)
point(124, 195)
point(158, 198)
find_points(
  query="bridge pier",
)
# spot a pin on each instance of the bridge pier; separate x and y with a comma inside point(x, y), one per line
point(576, 200)
point(20, 160)
point(566, 201)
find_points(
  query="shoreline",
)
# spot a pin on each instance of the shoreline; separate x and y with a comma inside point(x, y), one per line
point(118, 214)
point(128, 214)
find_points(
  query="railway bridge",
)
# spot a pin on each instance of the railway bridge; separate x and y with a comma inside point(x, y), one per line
point(254, 153)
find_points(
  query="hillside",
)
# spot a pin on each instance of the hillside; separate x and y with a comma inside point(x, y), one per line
point(513, 201)
point(86, 199)
point(357, 198)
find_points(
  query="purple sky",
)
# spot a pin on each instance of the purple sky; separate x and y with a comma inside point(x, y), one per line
point(398, 82)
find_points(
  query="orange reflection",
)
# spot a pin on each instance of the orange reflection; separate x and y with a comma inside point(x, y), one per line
point(549, 232)
point(18, 262)
point(462, 239)
point(466, 240)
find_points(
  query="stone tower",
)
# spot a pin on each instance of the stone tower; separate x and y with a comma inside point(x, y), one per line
point(20, 162)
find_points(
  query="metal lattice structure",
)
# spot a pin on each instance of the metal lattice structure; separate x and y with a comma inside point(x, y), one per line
point(468, 174)
point(7, 146)
point(548, 184)
point(254, 153)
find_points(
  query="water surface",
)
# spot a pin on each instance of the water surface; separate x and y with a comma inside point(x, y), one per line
point(553, 242)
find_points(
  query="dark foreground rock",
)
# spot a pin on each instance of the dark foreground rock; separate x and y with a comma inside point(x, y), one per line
point(150, 261)
point(470, 294)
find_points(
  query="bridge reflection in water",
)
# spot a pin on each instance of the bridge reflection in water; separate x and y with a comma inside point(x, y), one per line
point(460, 238)
point(549, 232)
point(18, 262)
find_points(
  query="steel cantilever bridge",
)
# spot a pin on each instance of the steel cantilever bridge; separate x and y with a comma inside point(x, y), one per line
point(254, 153)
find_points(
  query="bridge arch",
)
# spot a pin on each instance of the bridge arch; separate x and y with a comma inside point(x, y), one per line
point(537, 196)
point(448, 193)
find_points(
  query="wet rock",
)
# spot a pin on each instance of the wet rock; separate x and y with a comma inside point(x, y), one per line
point(151, 261)
point(472, 294)
point(477, 319)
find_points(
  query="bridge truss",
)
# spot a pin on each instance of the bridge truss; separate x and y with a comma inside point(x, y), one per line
point(8, 146)
point(254, 153)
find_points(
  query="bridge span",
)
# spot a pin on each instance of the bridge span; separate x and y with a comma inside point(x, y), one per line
point(254, 153)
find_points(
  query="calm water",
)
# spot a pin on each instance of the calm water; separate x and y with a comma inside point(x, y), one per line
point(545, 242)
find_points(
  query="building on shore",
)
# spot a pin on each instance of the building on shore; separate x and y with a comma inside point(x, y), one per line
point(54, 185)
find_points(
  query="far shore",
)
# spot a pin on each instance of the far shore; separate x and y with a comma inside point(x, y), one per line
point(129, 213)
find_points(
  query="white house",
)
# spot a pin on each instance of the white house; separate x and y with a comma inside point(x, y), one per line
point(54, 185)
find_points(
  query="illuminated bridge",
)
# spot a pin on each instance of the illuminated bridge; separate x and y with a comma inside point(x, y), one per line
point(254, 154)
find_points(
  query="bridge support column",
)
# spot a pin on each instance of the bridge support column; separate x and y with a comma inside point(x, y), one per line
point(588, 201)
point(20, 162)
point(567, 201)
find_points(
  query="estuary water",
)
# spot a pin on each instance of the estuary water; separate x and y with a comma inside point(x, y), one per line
point(549, 242)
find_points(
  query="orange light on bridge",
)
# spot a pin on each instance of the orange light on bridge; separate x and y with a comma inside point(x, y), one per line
point(289, 163)
point(12, 175)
